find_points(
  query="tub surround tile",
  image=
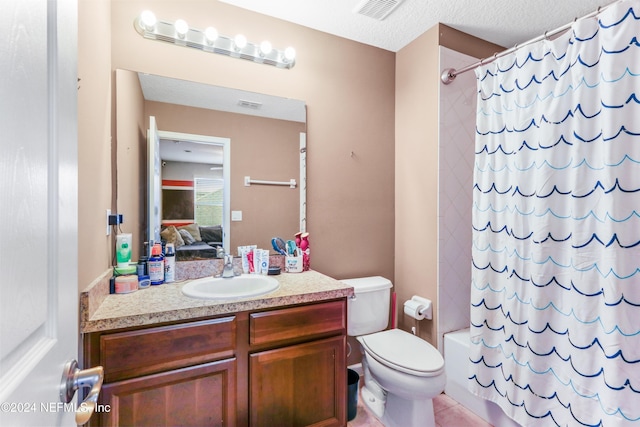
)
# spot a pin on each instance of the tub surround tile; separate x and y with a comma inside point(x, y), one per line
point(166, 303)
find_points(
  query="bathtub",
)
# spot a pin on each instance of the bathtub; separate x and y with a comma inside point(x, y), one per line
point(456, 362)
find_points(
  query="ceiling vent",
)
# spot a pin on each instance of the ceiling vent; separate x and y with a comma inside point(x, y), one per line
point(252, 105)
point(376, 9)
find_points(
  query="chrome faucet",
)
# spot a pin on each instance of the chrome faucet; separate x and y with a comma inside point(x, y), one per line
point(228, 272)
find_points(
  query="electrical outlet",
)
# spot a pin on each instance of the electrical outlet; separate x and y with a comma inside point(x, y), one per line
point(108, 226)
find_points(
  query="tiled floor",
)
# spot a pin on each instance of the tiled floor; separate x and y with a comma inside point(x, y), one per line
point(448, 413)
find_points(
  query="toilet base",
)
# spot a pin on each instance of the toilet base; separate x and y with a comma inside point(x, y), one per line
point(399, 412)
point(374, 403)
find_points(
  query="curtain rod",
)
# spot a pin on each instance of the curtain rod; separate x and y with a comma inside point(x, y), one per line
point(448, 75)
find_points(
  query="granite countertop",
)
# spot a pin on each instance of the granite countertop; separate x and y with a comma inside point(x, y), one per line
point(166, 303)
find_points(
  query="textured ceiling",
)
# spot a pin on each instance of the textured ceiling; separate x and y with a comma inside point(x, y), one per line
point(504, 22)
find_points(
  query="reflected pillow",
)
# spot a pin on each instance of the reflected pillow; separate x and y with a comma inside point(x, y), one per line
point(186, 236)
point(171, 235)
point(193, 229)
point(211, 234)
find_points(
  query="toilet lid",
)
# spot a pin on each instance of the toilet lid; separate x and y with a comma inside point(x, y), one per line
point(404, 352)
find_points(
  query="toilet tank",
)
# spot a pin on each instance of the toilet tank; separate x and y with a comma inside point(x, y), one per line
point(368, 310)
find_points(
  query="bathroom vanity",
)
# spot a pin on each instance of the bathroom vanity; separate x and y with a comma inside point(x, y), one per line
point(278, 359)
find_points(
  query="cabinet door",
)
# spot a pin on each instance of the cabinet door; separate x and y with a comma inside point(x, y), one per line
point(300, 385)
point(202, 395)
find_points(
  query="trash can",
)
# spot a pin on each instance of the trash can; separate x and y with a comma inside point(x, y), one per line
point(352, 393)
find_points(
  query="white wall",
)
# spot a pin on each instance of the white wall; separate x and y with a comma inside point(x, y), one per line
point(457, 118)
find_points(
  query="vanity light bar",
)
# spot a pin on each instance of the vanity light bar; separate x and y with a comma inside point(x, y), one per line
point(209, 40)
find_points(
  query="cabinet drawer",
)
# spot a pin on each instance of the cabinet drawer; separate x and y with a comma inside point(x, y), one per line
point(134, 353)
point(298, 323)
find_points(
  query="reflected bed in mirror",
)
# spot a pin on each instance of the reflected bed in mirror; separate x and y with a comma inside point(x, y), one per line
point(264, 142)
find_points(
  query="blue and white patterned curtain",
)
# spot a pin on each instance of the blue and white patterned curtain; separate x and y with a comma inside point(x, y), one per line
point(555, 304)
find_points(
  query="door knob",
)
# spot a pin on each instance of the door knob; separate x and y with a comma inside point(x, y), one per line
point(73, 379)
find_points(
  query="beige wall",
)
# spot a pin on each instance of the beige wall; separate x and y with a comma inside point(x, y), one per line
point(349, 91)
point(417, 175)
point(416, 150)
point(94, 139)
point(130, 143)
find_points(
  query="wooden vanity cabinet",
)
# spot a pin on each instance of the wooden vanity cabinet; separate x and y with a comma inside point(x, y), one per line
point(180, 374)
point(302, 383)
point(280, 367)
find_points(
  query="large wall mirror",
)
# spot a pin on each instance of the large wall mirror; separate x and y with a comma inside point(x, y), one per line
point(209, 139)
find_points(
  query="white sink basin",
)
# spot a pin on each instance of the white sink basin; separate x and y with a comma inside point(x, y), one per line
point(243, 286)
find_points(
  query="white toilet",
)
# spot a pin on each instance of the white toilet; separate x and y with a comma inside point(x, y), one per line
point(402, 373)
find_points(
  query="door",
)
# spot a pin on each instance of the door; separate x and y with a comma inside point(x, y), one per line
point(38, 214)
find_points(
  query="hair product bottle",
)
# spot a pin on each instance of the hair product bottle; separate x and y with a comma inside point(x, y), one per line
point(156, 265)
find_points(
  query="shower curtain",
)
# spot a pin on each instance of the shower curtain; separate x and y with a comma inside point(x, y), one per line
point(555, 304)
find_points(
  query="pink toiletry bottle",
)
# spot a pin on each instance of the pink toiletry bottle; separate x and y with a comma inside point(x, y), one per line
point(306, 251)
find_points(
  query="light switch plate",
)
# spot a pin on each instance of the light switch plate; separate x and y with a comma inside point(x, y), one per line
point(236, 215)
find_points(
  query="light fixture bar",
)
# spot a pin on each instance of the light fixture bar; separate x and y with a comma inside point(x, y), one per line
point(209, 40)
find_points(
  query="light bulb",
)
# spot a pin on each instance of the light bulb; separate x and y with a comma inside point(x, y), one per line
point(289, 54)
point(181, 27)
point(147, 20)
point(265, 48)
point(210, 34)
point(240, 42)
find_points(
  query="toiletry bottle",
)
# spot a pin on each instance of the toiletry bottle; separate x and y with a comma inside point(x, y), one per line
point(156, 265)
point(169, 264)
point(141, 266)
point(306, 251)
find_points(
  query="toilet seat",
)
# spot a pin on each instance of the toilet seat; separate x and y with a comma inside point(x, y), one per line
point(404, 352)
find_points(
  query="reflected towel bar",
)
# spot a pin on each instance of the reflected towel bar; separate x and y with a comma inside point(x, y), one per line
point(248, 181)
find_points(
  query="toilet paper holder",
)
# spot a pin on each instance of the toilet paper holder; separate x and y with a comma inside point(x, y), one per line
point(419, 308)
